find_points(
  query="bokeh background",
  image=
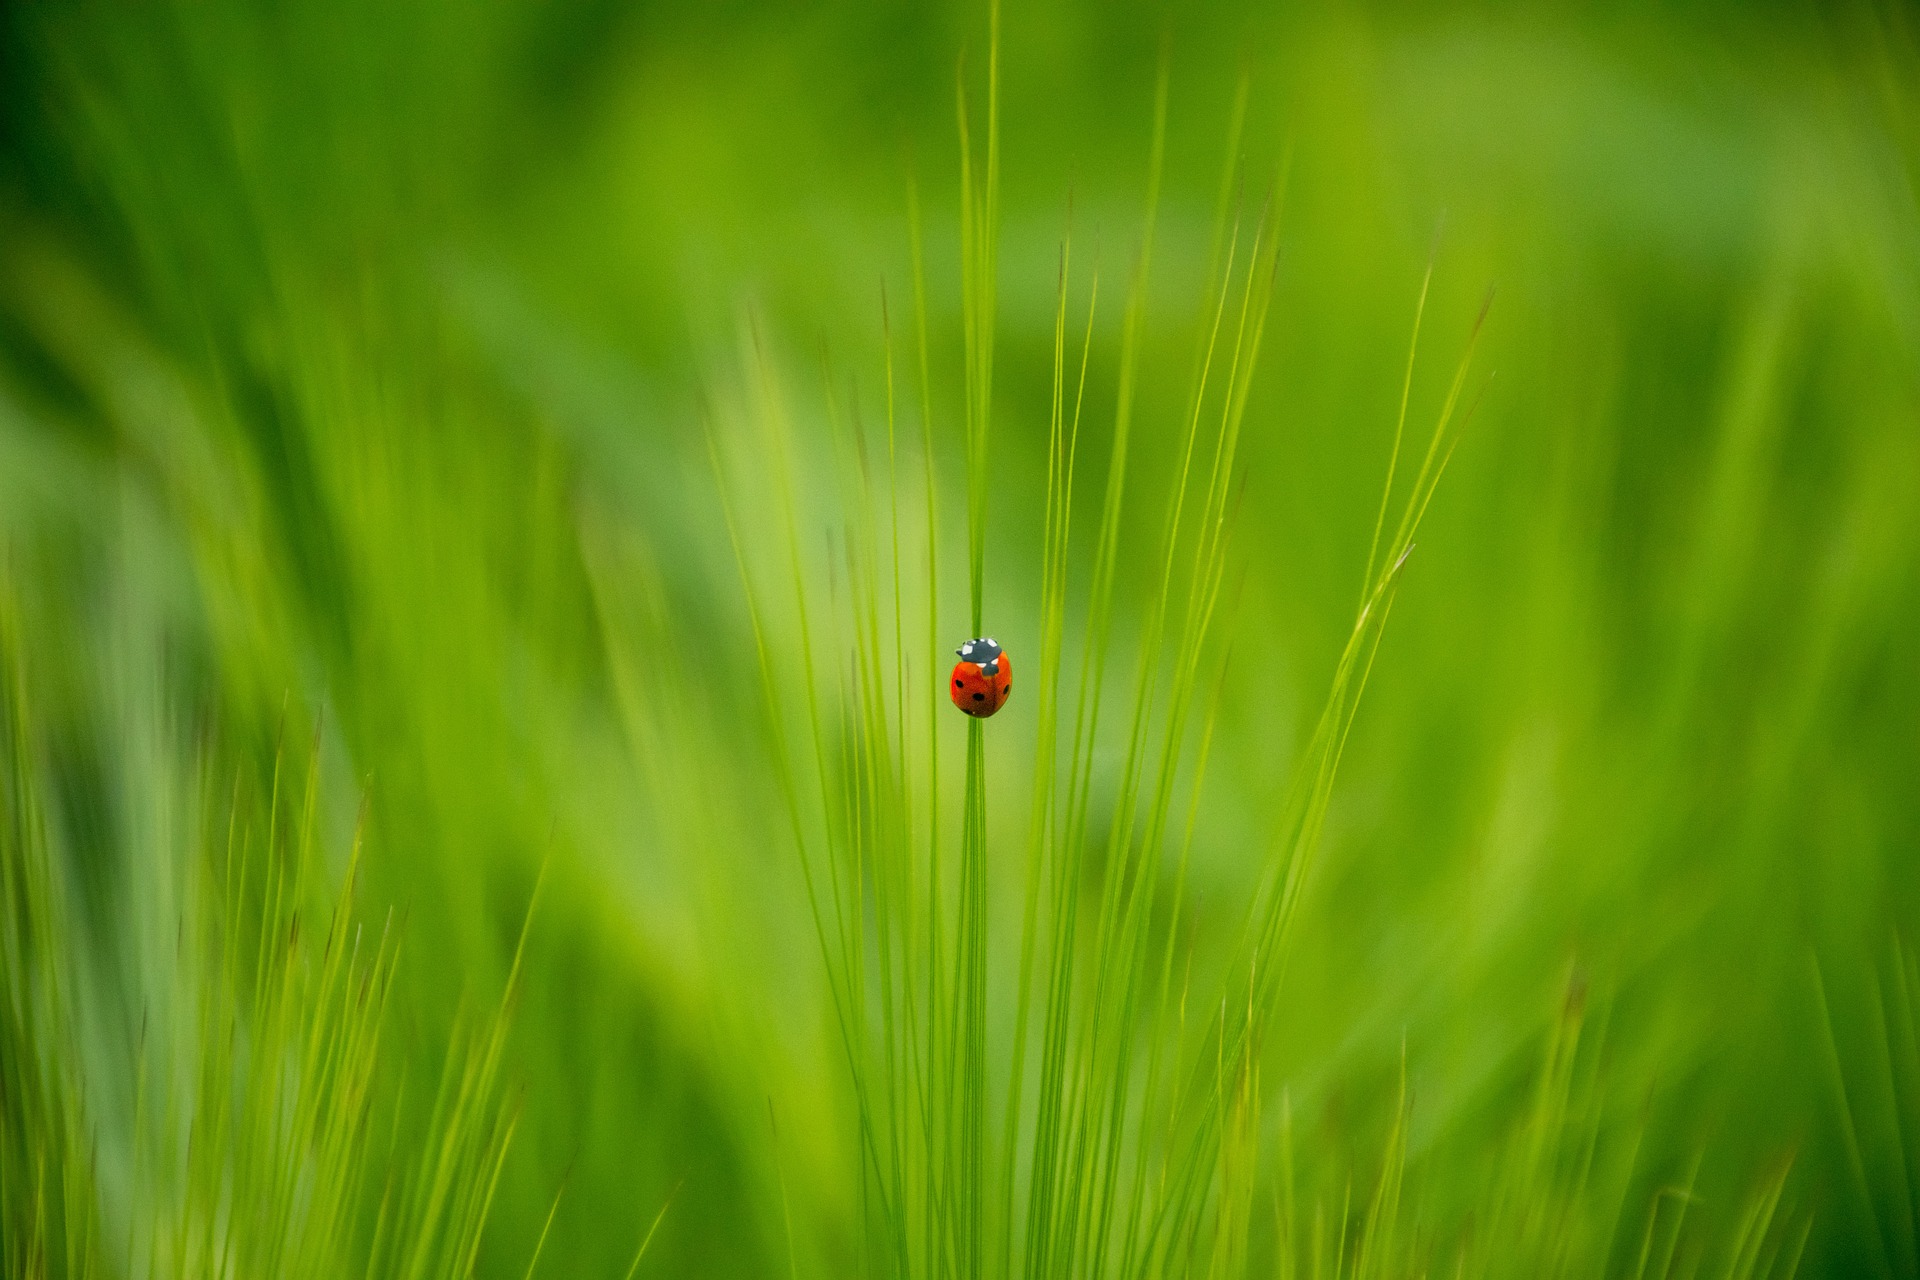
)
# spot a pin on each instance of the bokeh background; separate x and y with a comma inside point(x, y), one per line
point(357, 369)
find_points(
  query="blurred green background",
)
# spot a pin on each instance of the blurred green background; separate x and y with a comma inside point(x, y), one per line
point(354, 360)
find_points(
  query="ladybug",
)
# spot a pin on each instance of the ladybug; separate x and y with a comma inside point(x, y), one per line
point(982, 678)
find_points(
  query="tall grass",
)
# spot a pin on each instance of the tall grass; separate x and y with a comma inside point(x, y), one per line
point(245, 1118)
point(377, 549)
point(1043, 1084)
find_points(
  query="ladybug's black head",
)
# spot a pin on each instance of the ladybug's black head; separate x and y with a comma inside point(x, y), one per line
point(984, 651)
point(981, 651)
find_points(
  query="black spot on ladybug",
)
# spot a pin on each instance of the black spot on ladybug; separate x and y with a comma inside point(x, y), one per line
point(979, 697)
point(956, 684)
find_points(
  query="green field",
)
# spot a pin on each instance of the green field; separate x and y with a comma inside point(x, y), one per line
point(490, 494)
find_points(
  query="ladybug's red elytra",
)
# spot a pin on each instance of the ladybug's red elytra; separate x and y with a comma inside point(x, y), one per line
point(982, 678)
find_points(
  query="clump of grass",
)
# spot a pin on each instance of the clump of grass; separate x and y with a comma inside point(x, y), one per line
point(1053, 1089)
point(1101, 1139)
point(252, 1119)
point(1556, 1199)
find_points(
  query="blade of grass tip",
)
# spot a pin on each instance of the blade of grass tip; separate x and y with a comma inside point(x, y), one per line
point(1682, 1197)
point(1273, 906)
point(1904, 1182)
point(378, 1252)
point(540, 1244)
point(480, 1202)
point(1273, 911)
point(465, 1198)
point(1383, 1209)
point(1288, 1183)
point(511, 991)
point(1748, 1236)
point(1211, 544)
point(1618, 1213)
point(1907, 1083)
point(1453, 443)
point(1225, 223)
point(1340, 1235)
point(1229, 171)
point(1848, 1131)
point(1065, 524)
point(1400, 421)
point(1765, 1228)
point(786, 1209)
point(646, 1241)
point(1587, 1093)
point(1272, 920)
point(1416, 505)
point(1791, 1258)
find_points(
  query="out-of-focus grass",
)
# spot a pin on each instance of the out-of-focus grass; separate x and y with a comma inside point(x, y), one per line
point(360, 364)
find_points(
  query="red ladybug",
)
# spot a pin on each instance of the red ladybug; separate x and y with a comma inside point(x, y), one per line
point(982, 678)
